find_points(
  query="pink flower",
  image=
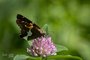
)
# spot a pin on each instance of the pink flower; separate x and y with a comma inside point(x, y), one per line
point(42, 46)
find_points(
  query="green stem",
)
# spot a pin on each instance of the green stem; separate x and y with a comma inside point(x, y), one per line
point(44, 58)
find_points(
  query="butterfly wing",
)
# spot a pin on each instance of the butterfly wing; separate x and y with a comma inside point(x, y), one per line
point(26, 25)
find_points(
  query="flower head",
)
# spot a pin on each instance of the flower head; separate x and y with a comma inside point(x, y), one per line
point(42, 46)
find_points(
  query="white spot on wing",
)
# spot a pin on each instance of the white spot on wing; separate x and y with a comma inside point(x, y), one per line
point(29, 34)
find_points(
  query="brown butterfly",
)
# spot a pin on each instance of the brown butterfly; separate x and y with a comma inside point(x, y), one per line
point(27, 25)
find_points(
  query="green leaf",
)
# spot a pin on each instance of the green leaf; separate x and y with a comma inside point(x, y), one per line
point(63, 57)
point(20, 57)
point(64, 52)
point(45, 28)
point(60, 48)
point(25, 57)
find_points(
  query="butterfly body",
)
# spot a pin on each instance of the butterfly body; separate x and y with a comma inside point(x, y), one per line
point(26, 25)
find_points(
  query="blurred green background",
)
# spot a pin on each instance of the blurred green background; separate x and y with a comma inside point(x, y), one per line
point(68, 22)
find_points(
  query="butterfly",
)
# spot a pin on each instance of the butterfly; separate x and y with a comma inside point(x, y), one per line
point(27, 25)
